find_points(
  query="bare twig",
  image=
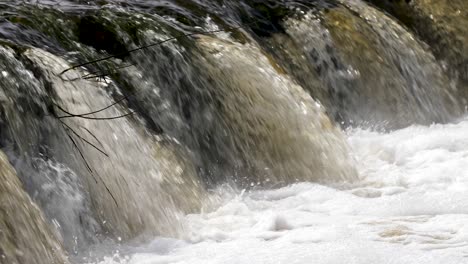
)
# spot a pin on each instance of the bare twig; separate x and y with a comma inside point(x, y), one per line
point(145, 47)
point(92, 118)
point(89, 132)
point(86, 162)
point(90, 113)
point(79, 151)
point(100, 74)
point(84, 139)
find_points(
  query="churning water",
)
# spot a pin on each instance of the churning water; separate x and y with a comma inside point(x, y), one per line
point(319, 131)
point(409, 207)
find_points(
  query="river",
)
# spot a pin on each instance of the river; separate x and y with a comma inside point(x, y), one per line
point(250, 131)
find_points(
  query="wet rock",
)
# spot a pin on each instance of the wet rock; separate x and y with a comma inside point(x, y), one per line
point(95, 33)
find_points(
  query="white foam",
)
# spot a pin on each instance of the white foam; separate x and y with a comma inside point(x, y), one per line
point(410, 207)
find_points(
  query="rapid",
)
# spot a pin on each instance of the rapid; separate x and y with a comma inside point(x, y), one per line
point(249, 131)
point(409, 207)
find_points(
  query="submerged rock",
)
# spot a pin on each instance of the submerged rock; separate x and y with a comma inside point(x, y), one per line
point(25, 237)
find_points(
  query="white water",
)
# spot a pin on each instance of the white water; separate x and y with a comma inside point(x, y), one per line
point(409, 207)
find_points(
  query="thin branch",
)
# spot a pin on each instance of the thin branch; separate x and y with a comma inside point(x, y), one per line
point(79, 151)
point(106, 118)
point(99, 77)
point(87, 164)
point(110, 193)
point(91, 118)
point(93, 112)
point(144, 47)
point(83, 139)
point(89, 132)
point(98, 74)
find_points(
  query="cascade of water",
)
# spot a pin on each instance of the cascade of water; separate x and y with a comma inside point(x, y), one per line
point(441, 24)
point(234, 118)
point(253, 107)
point(141, 184)
point(373, 69)
point(26, 133)
point(269, 124)
point(24, 234)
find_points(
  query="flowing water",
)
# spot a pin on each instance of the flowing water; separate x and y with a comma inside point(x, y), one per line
point(326, 131)
point(409, 207)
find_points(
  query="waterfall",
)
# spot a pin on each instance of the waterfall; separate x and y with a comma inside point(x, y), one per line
point(269, 123)
point(139, 182)
point(395, 78)
point(442, 24)
point(121, 118)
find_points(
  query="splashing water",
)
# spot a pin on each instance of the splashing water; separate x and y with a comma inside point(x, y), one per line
point(409, 208)
point(303, 132)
